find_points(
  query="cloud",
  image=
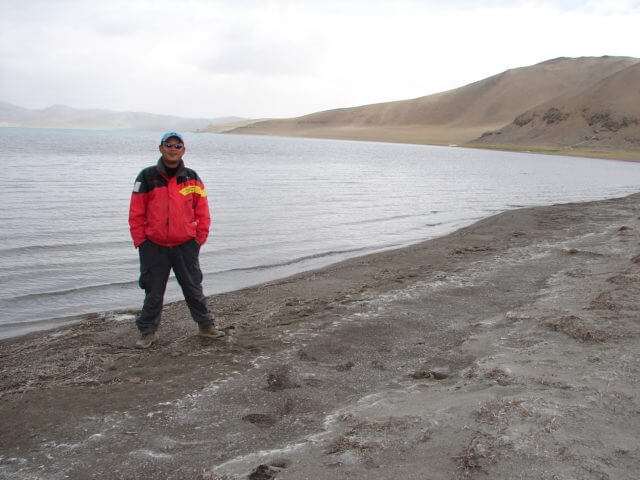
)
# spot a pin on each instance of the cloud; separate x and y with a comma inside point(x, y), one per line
point(611, 7)
point(285, 58)
point(246, 51)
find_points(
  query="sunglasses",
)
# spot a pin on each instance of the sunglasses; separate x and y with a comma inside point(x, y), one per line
point(177, 146)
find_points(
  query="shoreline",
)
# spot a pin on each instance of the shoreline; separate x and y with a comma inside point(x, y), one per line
point(32, 328)
point(414, 139)
point(621, 155)
point(508, 347)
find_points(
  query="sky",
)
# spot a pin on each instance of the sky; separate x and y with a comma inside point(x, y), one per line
point(266, 59)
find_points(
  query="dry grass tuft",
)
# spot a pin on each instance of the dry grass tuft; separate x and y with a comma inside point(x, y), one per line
point(499, 411)
point(603, 301)
point(554, 384)
point(478, 453)
point(347, 442)
point(499, 375)
point(575, 327)
point(370, 435)
point(472, 371)
point(623, 279)
point(473, 249)
point(83, 365)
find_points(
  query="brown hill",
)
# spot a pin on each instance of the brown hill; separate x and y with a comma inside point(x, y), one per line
point(603, 116)
point(454, 116)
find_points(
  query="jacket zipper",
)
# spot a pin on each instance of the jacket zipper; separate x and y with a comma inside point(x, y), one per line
point(168, 206)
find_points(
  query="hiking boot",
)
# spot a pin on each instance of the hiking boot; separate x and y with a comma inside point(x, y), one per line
point(146, 340)
point(210, 331)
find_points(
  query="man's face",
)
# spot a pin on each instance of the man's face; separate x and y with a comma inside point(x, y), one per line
point(171, 155)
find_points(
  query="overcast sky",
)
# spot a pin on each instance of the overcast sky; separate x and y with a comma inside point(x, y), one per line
point(285, 58)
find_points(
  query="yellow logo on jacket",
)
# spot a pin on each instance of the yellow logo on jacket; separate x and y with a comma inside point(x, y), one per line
point(193, 189)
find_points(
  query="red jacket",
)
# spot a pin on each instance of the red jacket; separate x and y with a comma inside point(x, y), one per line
point(168, 211)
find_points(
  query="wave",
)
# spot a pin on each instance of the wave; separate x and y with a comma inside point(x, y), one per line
point(422, 227)
point(387, 219)
point(134, 283)
point(45, 321)
point(30, 297)
point(18, 269)
point(62, 247)
point(315, 256)
point(69, 291)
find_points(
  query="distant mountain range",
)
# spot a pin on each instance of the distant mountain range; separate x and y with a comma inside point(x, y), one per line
point(62, 116)
point(588, 102)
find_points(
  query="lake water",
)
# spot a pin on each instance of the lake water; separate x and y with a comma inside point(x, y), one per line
point(279, 206)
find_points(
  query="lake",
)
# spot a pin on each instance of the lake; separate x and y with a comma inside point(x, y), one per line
point(279, 206)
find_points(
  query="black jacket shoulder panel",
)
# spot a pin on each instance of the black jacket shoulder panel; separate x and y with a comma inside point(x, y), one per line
point(189, 174)
point(148, 179)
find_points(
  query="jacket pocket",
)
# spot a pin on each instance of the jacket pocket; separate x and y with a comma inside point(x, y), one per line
point(190, 229)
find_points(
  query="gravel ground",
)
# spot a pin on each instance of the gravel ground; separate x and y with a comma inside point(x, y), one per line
point(508, 349)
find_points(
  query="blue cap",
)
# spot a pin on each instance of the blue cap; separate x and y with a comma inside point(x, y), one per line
point(168, 135)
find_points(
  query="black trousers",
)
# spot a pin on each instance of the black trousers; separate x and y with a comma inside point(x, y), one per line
point(156, 263)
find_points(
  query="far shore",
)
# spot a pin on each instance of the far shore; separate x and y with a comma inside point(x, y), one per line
point(628, 155)
point(438, 137)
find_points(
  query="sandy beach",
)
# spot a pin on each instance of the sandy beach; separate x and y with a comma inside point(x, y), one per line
point(506, 350)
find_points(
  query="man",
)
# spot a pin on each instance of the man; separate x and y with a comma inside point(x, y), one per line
point(169, 222)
